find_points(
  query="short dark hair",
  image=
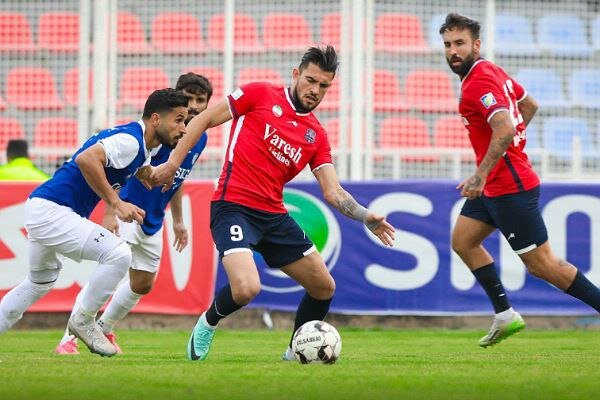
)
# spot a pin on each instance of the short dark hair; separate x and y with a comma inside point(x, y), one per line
point(194, 83)
point(325, 58)
point(457, 21)
point(17, 148)
point(163, 100)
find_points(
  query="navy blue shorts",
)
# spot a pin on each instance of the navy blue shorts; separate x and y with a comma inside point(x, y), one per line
point(516, 215)
point(277, 237)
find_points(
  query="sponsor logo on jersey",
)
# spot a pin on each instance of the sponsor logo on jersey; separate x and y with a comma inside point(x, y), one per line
point(280, 148)
point(488, 100)
point(321, 226)
point(310, 135)
point(277, 111)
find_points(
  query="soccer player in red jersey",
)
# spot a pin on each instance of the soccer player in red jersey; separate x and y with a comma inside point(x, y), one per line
point(503, 193)
point(274, 135)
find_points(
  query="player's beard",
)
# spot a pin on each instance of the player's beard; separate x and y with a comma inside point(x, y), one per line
point(300, 107)
point(464, 67)
point(163, 138)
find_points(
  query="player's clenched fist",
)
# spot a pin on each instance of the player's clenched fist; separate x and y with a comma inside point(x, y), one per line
point(128, 212)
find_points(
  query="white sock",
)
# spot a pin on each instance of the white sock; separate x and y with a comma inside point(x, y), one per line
point(119, 306)
point(204, 322)
point(66, 337)
point(104, 281)
point(505, 315)
point(19, 299)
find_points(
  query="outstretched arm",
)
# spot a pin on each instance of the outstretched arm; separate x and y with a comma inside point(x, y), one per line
point(211, 117)
point(339, 198)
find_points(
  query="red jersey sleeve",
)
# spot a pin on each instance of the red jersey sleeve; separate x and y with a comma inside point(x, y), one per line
point(323, 154)
point(520, 92)
point(244, 98)
point(486, 96)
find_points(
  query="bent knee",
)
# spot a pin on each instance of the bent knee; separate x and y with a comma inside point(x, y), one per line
point(244, 293)
point(324, 289)
point(142, 288)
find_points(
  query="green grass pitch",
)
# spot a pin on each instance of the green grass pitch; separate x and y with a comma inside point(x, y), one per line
point(375, 364)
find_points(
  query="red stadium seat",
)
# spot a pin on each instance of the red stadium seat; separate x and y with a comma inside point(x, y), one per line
point(245, 35)
point(430, 91)
point(286, 32)
point(55, 132)
point(10, 128)
point(131, 38)
point(15, 32)
point(138, 82)
point(248, 75)
point(332, 127)
point(177, 33)
point(59, 31)
point(71, 87)
point(331, 27)
point(405, 133)
point(32, 88)
point(386, 94)
point(215, 76)
point(450, 132)
point(397, 32)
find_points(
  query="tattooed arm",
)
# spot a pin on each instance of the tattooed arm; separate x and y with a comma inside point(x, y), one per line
point(503, 133)
point(339, 198)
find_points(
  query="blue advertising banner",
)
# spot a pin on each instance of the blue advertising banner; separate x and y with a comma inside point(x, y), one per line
point(420, 274)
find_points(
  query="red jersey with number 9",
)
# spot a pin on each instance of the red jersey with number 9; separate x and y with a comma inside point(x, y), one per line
point(486, 90)
point(269, 144)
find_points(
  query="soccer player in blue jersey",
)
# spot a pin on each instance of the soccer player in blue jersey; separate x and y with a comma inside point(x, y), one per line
point(146, 240)
point(57, 212)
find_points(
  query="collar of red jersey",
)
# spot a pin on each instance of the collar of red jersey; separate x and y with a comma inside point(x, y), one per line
point(288, 96)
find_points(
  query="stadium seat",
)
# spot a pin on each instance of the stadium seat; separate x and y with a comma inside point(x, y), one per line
point(15, 32)
point(596, 33)
point(248, 75)
point(59, 31)
point(10, 128)
point(544, 85)
point(534, 141)
point(138, 82)
point(245, 35)
point(584, 88)
point(215, 76)
point(559, 133)
point(405, 133)
point(450, 132)
point(2, 104)
point(71, 87)
point(386, 94)
point(55, 132)
point(332, 127)
point(397, 32)
point(514, 36)
point(331, 26)
point(286, 32)
point(131, 38)
point(563, 35)
point(433, 32)
point(430, 91)
point(177, 33)
point(32, 88)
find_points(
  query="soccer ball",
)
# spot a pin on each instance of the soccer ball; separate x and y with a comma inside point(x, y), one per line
point(316, 342)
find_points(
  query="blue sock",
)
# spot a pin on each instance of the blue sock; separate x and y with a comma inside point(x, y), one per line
point(487, 276)
point(222, 306)
point(584, 290)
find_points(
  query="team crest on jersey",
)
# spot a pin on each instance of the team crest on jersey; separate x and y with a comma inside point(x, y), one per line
point(488, 100)
point(310, 135)
point(277, 111)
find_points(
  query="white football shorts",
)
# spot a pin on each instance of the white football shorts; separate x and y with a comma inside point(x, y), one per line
point(54, 229)
point(145, 249)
